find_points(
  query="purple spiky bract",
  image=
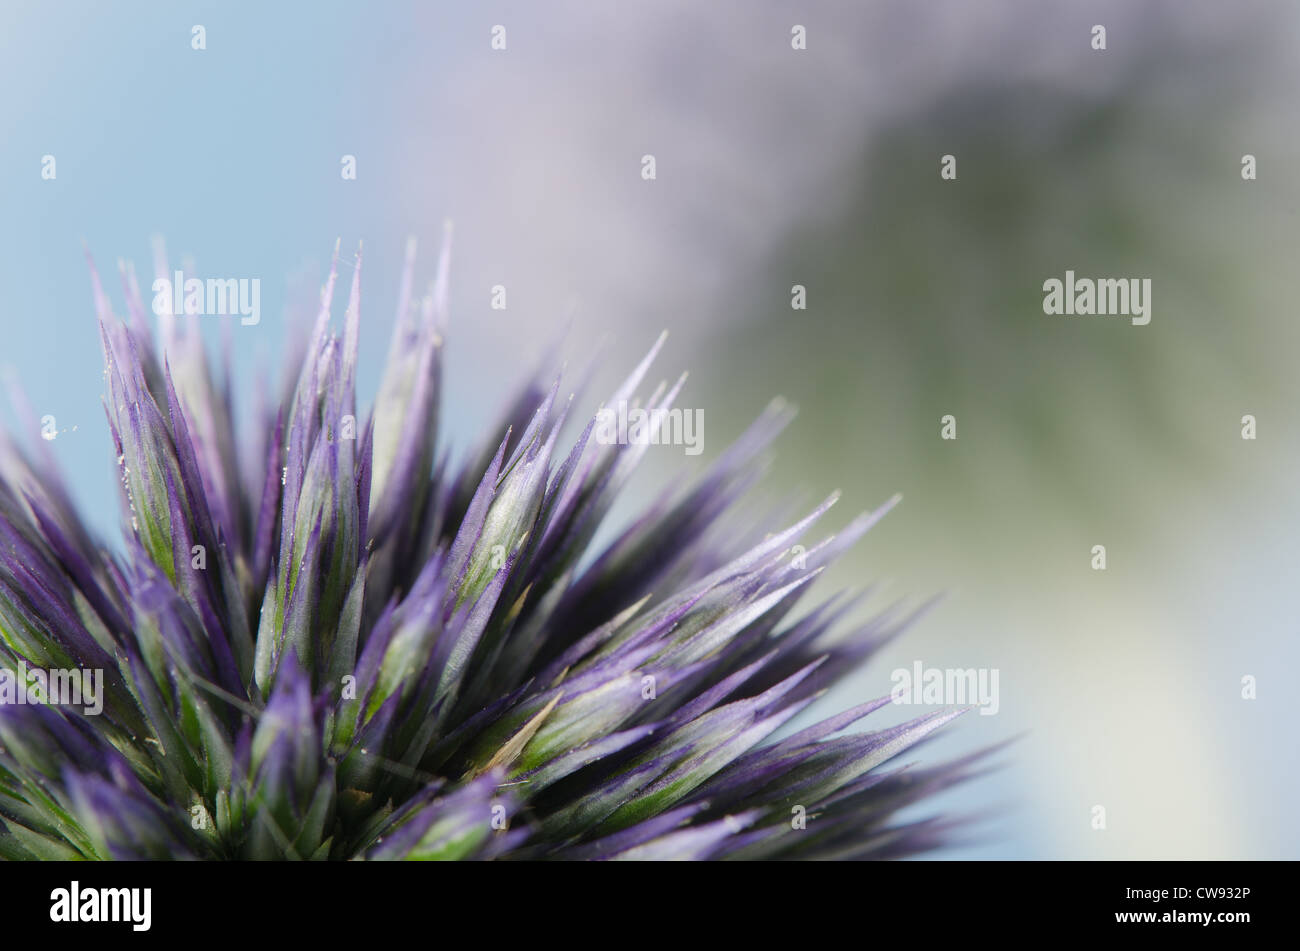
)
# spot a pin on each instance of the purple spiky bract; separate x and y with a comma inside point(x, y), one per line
point(322, 640)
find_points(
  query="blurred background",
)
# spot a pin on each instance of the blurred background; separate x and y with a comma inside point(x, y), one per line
point(777, 166)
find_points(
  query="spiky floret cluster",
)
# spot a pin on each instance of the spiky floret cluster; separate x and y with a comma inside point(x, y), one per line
point(331, 644)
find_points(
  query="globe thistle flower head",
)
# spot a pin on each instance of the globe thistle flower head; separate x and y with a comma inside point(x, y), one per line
point(322, 640)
